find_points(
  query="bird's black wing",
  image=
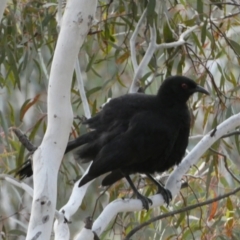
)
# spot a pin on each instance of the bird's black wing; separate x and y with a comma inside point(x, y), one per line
point(110, 122)
point(114, 117)
point(120, 109)
point(148, 136)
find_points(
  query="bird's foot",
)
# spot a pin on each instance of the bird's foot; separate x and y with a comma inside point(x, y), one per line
point(167, 195)
point(145, 201)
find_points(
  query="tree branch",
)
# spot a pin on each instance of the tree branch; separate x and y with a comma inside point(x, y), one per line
point(24, 140)
point(78, 16)
point(133, 41)
point(16, 183)
point(147, 57)
point(82, 90)
point(185, 209)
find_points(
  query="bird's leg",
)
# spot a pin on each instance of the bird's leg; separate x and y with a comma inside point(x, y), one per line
point(167, 196)
point(145, 200)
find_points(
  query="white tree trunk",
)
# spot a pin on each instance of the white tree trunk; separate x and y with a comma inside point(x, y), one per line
point(76, 21)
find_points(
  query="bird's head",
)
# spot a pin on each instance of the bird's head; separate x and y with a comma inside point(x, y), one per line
point(179, 88)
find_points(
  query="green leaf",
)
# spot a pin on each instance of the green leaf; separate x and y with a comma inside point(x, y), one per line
point(196, 41)
point(20, 158)
point(37, 64)
point(4, 124)
point(36, 127)
point(229, 206)
point(203, 33)
point(27, 105)
point(167, 34)
point(200, 9)
point(235, 46)
point(151, 12)
point(144, 78)
point(180, 219)
point(89, 66)
point(13, 68)
point(93, 90)
point(94, 108)
point(208, 181)
point(120, 81)
point(11, 114)
point(181, 65)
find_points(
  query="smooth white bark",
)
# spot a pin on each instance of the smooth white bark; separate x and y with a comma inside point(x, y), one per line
point(61, 228)
point(133, 41)
point(75, 25)
point(76, 198)
point(147, 57)
point(85, 234)
point(82, 90)
point(17, 183)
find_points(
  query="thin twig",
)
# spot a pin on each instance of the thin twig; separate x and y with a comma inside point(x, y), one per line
point(98, 198)
point(231, 134)
point(82, 90)
point(219, 93)
point(225, 163)
point(181, 41)
point(147, 57)
point(133, 42)
point(24, 140)
point(132, 232)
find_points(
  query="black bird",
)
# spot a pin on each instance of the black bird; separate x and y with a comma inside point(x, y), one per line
point(138, 133)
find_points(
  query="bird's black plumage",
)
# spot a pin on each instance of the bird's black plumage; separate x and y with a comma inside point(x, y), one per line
point(138, 133)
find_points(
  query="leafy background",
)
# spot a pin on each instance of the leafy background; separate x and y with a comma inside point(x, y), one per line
point(211, 57)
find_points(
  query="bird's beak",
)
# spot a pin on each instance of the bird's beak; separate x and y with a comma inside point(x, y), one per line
point(201, 90)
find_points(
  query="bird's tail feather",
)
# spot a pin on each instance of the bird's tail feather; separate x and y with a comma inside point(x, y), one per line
point(86, 179)
point(81, 140)
point(111, 178)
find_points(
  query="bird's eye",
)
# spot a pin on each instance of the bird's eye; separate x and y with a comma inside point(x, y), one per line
point(184, 86)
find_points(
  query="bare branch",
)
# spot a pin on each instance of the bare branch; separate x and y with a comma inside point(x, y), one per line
point(147, 57)
point(82, 90)
point(43, 65)
point(169, 26)
point(59, 14)
point(181, 39)
point(24, 139)
point(185, 209)
point(75, 199)
point(16, 183)
point(61, 228)
point(225, 164)
point(133, 42)
point(231, 134)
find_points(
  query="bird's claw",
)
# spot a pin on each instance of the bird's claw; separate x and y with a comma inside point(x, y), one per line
point(145, 201)
point(167, 195)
